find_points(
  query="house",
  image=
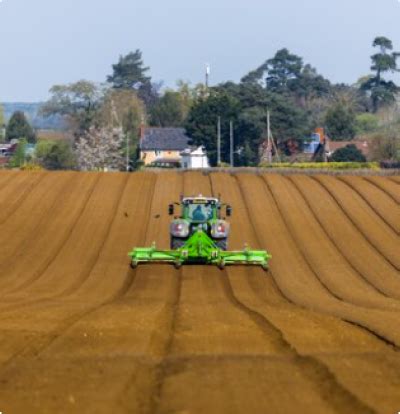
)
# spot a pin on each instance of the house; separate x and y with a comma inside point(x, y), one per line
point(162, 145)
point(194, 158)
point(311, 145)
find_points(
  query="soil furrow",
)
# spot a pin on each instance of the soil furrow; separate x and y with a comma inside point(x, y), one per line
point(14, 196)
point(82, 332)
point(386, 185)
point(60, 231)
point(333, 271)
point(380, 203)
point(377, 233)
point(347, 238)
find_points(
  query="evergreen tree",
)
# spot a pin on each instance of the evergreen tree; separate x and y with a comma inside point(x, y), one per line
point(18, 127)
point(130, 73)
point(382, 91)
point(341, 122)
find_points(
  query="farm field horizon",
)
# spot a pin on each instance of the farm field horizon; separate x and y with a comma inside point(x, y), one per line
point(82, 332)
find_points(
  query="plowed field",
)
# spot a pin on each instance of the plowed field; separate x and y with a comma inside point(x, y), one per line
point(81, 332)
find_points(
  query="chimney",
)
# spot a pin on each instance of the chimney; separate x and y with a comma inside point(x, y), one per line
point(142, 131)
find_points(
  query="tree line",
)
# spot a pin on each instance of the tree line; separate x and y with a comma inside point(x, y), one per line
point(104, 119)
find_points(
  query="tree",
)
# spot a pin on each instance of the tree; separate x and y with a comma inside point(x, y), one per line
point(2, 123)
point(123, 108)
point(277, 72)
point(201, 125)
point(18, 127)
point(382, 91)
point(308, 86)
point(169, 111)
point(55, 155)
point(385, 145)
point(130, 73)
point(77, 102)
point(341, 122)
point(247, 105)
point(350, 153)
point(101, 149)
point(366, 123)
point(18, 158)
point(289, 122)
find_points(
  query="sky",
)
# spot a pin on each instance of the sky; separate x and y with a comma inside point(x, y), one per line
point(47, 42)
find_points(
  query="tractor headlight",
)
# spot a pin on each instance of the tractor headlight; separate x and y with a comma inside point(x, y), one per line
point(180, 228)
point(220, 229)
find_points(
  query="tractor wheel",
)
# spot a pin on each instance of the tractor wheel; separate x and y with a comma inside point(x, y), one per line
point(134, 265)
point(177, 243)
point(222, 244)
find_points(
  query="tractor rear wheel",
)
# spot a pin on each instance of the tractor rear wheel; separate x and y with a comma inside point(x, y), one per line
point(177, 243)
point(222, 244)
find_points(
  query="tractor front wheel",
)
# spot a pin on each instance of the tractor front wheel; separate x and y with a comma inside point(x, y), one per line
point(222, 244)
point(177, 243)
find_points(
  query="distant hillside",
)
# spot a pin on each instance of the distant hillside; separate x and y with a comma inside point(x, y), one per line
point(31, 111)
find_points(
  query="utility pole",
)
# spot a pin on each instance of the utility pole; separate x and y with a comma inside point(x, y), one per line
point(219, 142)
point(231, 143)
point(127, 152)
point(269, 144)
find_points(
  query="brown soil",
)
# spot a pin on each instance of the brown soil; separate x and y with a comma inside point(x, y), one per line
point(83, 333)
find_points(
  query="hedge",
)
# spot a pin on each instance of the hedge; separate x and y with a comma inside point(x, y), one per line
point(324, 165)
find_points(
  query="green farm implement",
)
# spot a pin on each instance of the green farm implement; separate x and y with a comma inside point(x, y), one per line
point(200, 236)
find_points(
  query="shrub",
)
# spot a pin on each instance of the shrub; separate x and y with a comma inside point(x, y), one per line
point(390, 165)
point(324, 165)
point(385, 145)
point(30, 166)
point(350, 153)
point(55, 155)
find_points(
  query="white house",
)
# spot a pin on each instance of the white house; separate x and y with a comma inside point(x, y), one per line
point(194, 158)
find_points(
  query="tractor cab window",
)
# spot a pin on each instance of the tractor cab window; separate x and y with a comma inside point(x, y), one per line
point(200, 212)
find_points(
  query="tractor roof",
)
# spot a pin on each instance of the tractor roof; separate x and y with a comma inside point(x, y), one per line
point(200, 200)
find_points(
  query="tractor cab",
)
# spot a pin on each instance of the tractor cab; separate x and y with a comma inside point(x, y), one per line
point(200, 210)
point(199, 213)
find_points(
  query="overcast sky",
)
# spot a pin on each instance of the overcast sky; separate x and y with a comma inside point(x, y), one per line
point(44, 42)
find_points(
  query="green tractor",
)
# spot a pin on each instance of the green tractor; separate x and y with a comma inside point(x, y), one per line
point(199, 236)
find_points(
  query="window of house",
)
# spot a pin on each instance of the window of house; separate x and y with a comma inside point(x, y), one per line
point(158, 153)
